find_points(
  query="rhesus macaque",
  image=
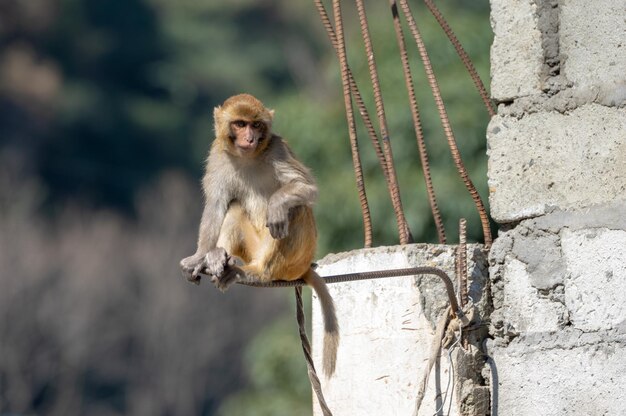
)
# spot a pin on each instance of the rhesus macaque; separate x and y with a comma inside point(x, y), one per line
point(257, 220)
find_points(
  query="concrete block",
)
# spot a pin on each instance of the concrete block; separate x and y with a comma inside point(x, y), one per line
point(553, 160)
point(528, 309)
point(583, 376)
point(566, 270)
point(595, 288)
point(387, 327)
point(592, 42)
point(516, 52)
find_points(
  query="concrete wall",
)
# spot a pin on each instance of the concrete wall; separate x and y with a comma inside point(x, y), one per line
point(557, 179)
point(557, 292)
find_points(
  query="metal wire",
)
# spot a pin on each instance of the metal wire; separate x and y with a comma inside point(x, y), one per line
point(443, 115)
point(417, 125)
point(450, 378)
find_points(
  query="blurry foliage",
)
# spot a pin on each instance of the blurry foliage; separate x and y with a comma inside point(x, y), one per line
point(96, 321)
point(98, 99)
point(276, 368)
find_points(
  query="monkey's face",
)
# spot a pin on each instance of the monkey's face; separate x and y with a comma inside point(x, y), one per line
point(248, 136)
point(243, 126)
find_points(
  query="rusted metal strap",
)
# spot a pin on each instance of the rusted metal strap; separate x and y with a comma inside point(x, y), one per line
point(379, 274)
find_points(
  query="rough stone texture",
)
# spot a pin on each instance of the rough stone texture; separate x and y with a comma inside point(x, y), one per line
point(387, 326)
point(592, 41)
point(557, 55)
point(517, 55)
point(565, 269)
point(595, 286)
point(567, 100)
point(557, 178)
point(559, 320)
point(549, 160)
point(583, 375)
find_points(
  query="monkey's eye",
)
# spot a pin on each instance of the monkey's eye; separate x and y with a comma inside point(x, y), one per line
point(239, 123)
point(257, 124)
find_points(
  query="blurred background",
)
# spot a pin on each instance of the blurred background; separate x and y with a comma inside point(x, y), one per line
point(105, 121)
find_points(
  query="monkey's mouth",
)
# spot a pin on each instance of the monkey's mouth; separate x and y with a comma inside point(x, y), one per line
point(246, 147)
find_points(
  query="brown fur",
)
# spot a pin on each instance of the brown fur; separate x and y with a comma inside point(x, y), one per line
point(258, 207)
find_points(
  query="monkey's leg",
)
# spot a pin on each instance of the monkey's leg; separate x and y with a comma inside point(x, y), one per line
point(290, 257)
point(284, 259)
point(238, 239)
point(229, 242)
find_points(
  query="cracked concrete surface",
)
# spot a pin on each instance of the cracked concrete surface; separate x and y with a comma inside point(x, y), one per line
point(553, 272)
point(559, 320)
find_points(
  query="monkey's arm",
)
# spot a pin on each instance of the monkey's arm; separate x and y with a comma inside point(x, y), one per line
point(298, 188)
point(215, 207)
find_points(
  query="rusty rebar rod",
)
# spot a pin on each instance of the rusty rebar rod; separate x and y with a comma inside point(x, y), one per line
point(369, 126)
point(471, 69)
point(356, 159)
point(403, 228)
point(417, 124)
point(378, 274)
point(454, 150)
point(308, 357)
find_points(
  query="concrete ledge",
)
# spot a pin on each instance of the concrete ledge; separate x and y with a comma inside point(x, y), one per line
point(387, 327)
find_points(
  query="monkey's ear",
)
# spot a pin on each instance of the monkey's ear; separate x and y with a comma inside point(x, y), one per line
point(217, 112)
point(218, 122)
point(271, 114)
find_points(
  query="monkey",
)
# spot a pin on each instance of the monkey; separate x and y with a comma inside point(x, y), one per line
point(258, 220)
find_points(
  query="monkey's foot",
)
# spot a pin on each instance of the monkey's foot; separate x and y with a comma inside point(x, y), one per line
point(215, 261)
point(231, 274)
point(191, 267)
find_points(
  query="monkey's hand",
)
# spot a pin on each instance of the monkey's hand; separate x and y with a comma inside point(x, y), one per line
point(232, 274)
point(192, 266)
point(278, 221)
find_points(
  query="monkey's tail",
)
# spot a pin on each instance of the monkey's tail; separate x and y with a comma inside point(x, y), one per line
point(331, 327)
